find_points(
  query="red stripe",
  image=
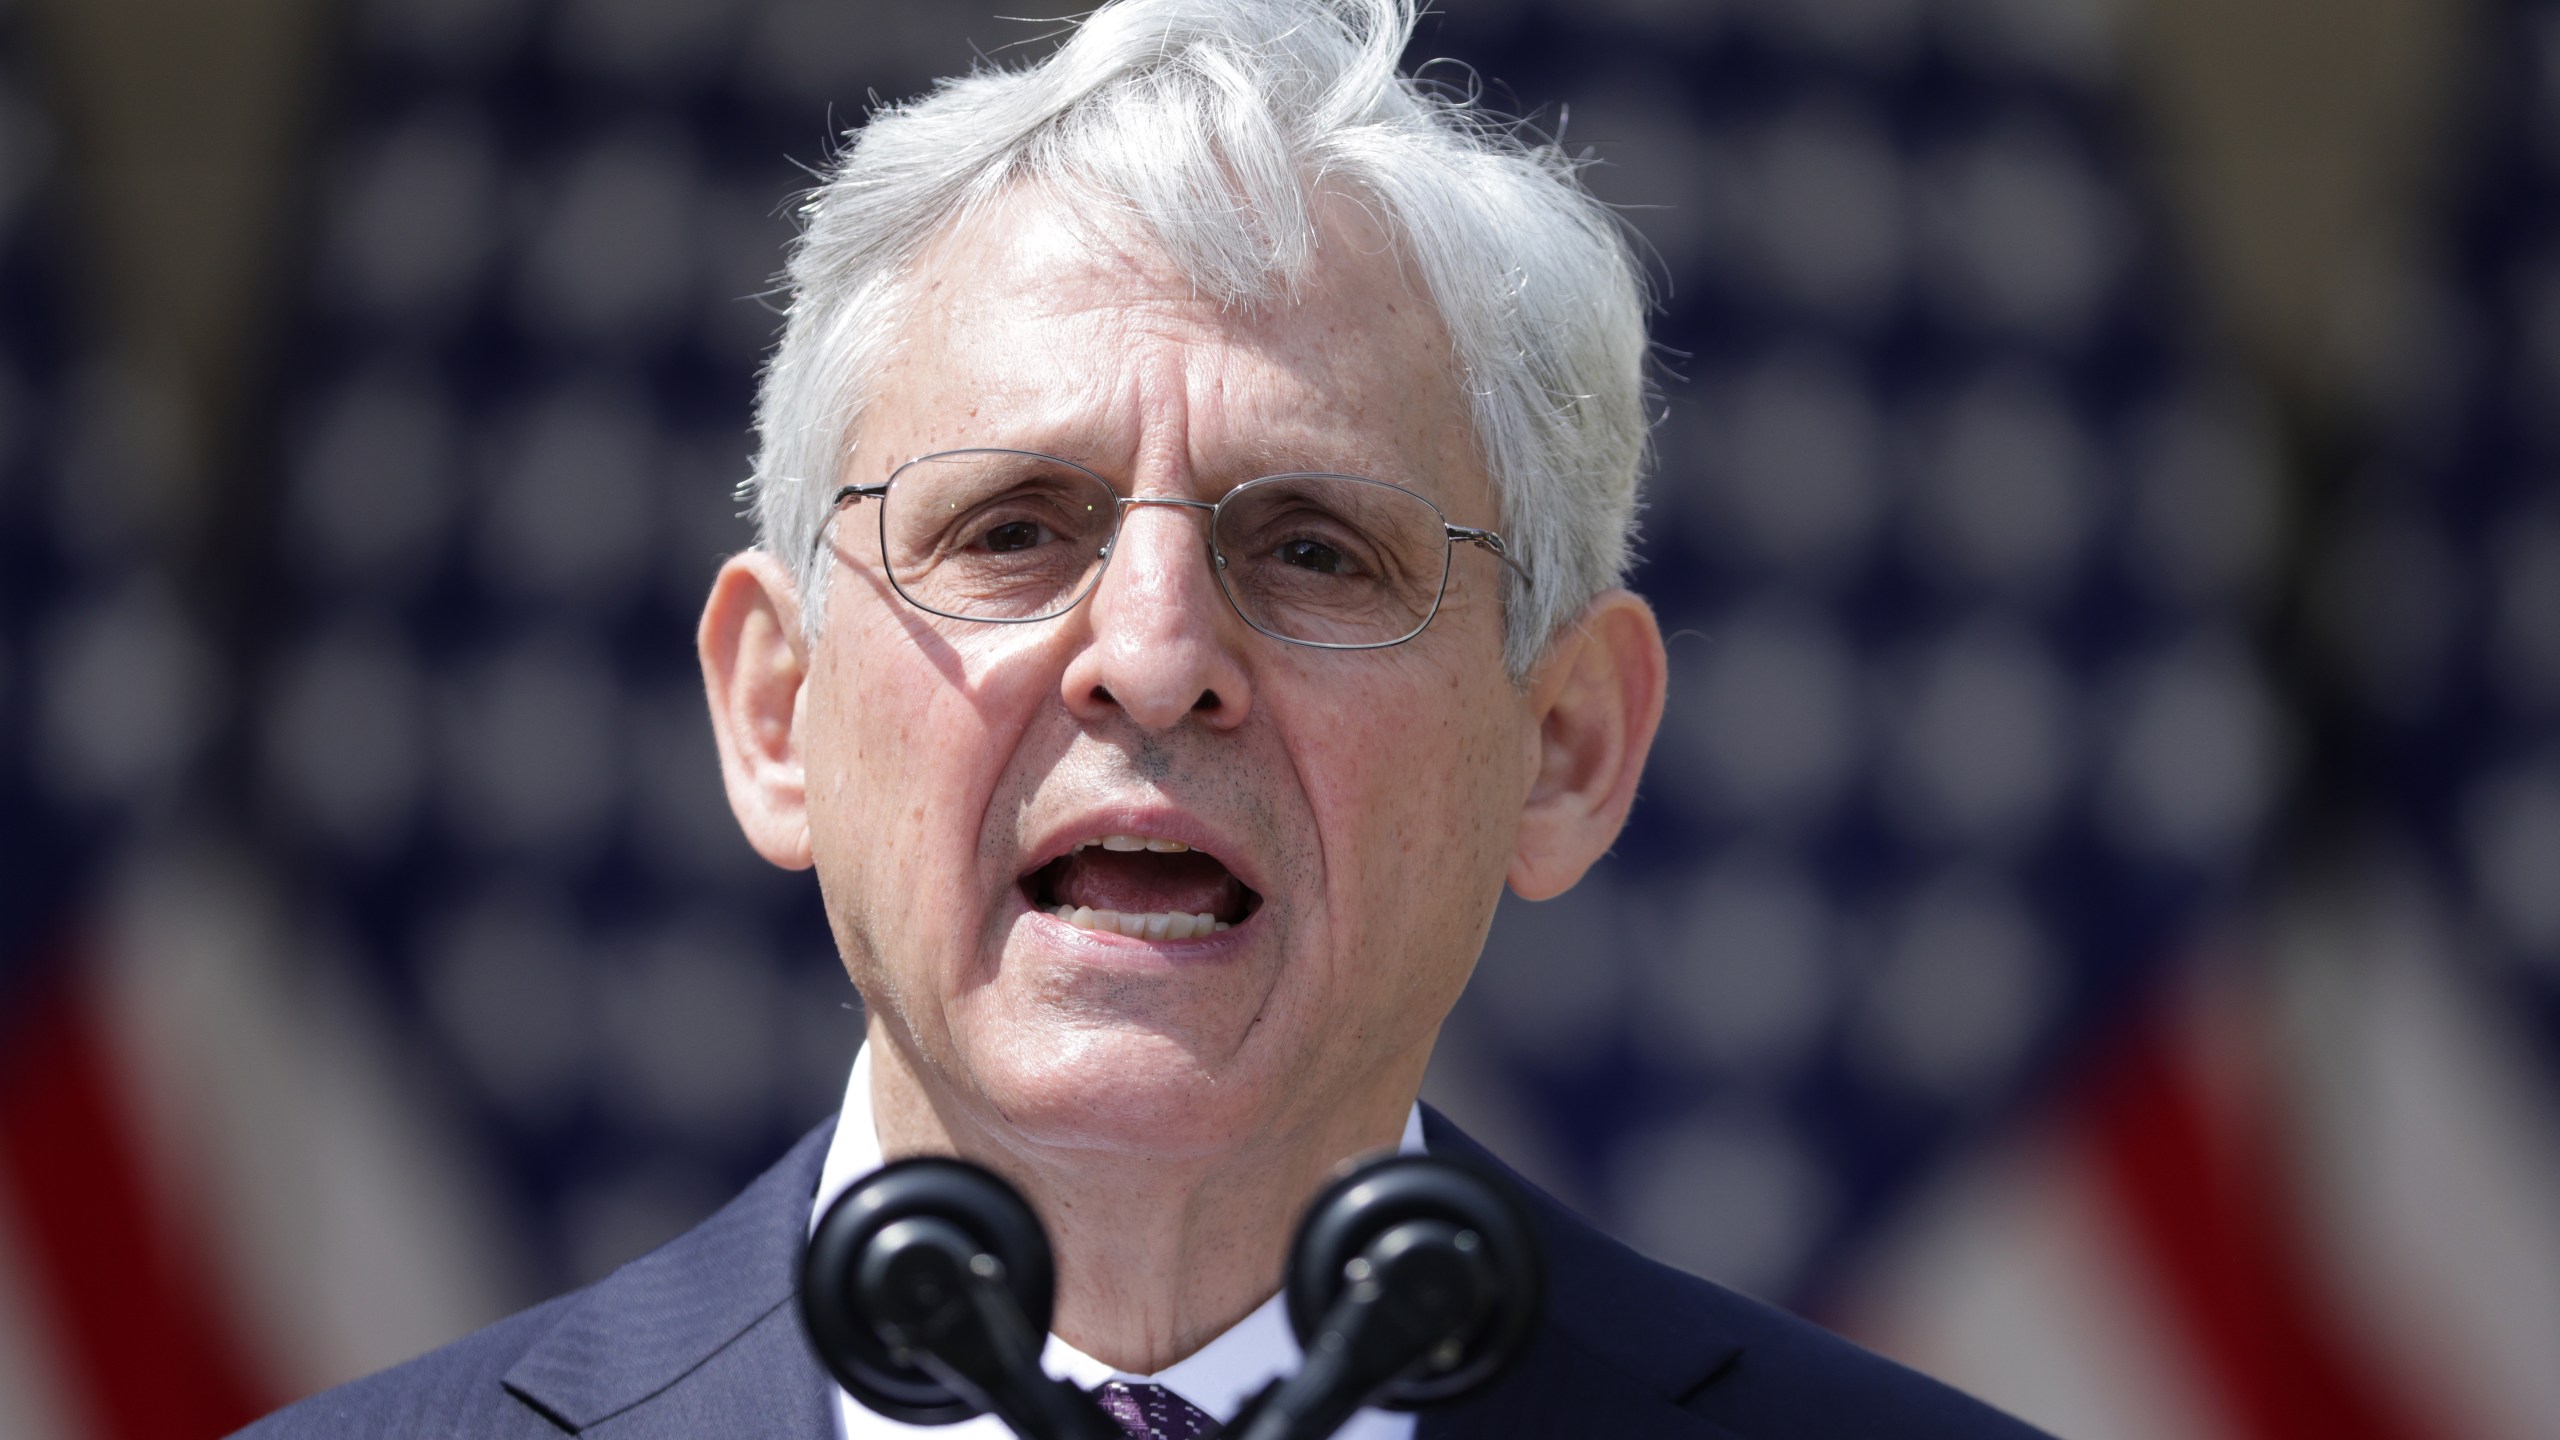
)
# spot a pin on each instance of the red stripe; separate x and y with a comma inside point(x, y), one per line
point(131, 1307)
point(2203, 1193)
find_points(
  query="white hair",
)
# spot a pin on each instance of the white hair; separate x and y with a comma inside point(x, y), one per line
point(1213, 126)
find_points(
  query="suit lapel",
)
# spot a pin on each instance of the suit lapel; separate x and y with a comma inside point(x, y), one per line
point(700, 1337)
point(1625, 1343)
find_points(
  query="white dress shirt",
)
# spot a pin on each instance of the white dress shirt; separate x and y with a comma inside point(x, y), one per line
point(1218, 1377)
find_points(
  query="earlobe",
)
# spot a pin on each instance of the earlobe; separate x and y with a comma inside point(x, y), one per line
point(1597, 701)
point(753, 665)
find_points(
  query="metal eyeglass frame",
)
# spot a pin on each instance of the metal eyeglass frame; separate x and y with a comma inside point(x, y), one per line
point(1487, 540)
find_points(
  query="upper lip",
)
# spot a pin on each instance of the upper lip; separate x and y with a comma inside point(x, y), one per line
point(1153, 822)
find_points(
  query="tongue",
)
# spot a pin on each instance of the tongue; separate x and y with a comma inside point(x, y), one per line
point(1146, 882)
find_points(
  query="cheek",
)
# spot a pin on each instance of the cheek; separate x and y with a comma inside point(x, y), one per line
point(906, 739)
point(1418, 807)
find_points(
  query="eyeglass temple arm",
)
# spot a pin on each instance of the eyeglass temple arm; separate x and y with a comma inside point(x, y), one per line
point(836, 501)
point(1489, 541)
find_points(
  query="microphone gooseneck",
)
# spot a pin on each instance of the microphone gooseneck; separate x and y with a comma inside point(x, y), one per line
point(1412, 1282)
point(927, 1290)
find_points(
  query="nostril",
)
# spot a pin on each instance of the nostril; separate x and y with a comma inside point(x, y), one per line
point(1208, 701)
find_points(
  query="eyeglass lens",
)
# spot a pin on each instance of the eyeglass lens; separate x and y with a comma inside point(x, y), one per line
point(1323, 559)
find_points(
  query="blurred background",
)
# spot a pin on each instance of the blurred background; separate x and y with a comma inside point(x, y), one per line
point(2091, 928)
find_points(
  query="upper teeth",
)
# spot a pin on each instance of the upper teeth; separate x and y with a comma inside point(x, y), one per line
point(1135, 842)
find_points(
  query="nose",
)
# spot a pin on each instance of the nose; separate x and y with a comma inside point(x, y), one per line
point(1162, 644)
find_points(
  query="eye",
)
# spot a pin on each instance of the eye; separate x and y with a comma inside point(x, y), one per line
point(1313, 555)
point(1014, 535)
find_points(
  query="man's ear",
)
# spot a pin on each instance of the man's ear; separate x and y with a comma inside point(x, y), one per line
point(753, 663)
point(1597, 699)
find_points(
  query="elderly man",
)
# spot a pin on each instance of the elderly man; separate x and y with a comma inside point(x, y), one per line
point(1196, 477)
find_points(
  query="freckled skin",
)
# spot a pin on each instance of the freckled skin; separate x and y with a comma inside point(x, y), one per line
point(1166, 1109)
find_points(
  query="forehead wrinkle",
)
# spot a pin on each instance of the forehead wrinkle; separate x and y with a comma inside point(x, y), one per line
point(1281, 419)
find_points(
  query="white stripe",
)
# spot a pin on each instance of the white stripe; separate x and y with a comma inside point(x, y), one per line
point(2434, 1167)
point(34, 1404)
point(342, 1226)
point(2011, 1283)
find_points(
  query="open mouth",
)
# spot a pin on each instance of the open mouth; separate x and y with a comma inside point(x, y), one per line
point(1141, 887)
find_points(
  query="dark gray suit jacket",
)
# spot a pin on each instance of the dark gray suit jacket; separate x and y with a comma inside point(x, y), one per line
point(702, 1338)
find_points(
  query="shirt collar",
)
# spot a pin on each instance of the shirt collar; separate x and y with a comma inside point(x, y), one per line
point(1218, 1377)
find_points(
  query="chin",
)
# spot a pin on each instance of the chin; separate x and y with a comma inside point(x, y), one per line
point(1107, 1088)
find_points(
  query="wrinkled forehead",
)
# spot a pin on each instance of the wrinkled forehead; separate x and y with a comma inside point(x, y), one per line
point(1032, 325)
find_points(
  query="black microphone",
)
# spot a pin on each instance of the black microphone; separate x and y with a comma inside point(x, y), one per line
point(927, 1290)
point(1413, 1282)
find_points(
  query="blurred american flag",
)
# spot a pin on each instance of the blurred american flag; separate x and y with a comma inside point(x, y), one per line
point(106, 701)
point(1957, 979)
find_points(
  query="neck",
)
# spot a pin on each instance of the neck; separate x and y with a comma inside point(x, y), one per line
point(1156, 1256)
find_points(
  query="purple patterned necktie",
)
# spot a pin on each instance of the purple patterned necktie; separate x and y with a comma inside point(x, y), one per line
point(1151, 1412)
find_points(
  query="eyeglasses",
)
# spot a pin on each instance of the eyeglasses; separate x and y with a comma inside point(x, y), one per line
point(1009, 537)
